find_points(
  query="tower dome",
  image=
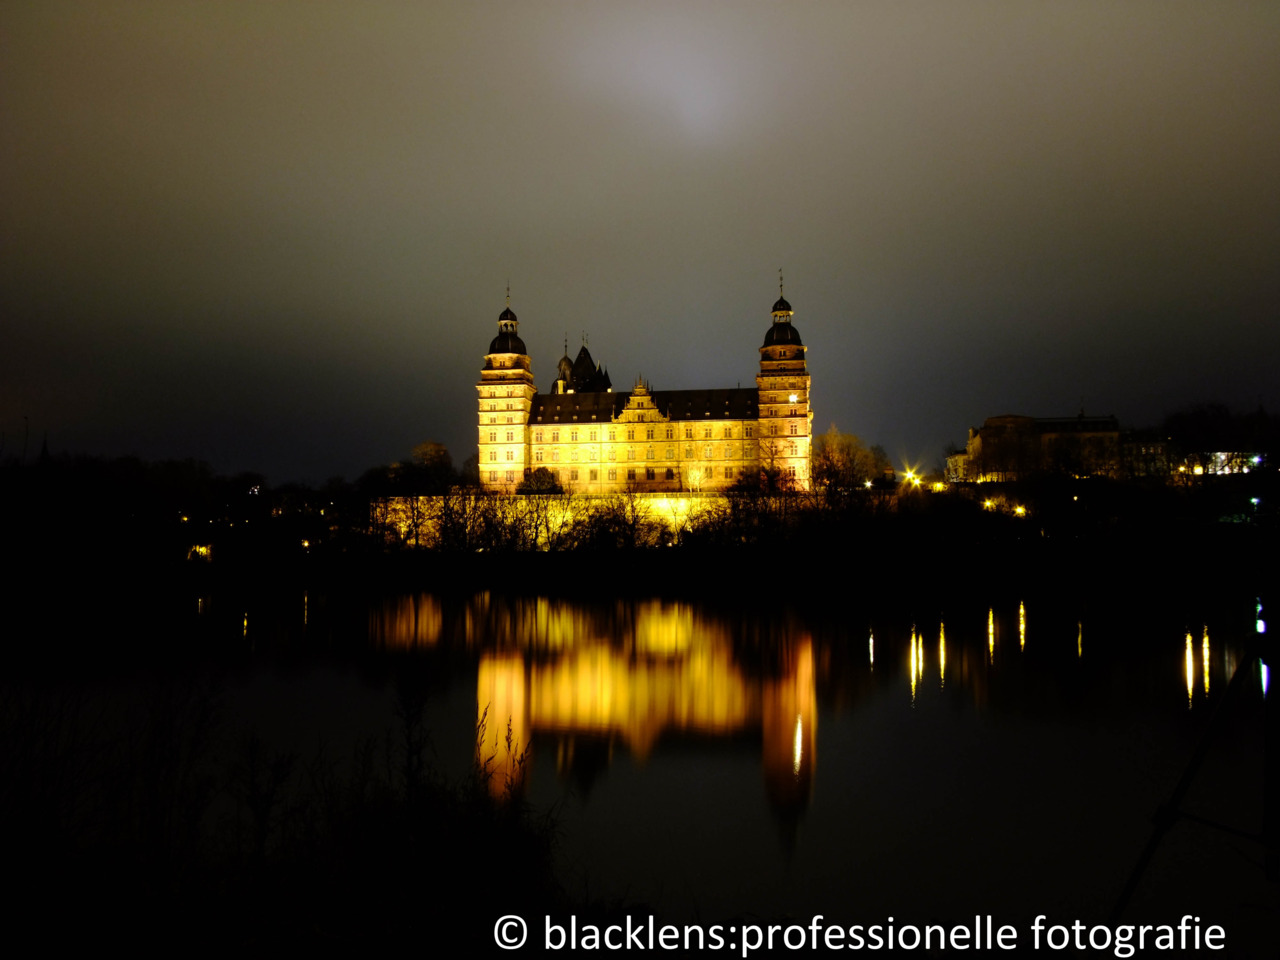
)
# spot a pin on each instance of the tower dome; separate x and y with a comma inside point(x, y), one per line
point(507, 340)
point(782, 332)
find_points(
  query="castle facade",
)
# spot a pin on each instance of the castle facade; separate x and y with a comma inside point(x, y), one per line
point(595, 440)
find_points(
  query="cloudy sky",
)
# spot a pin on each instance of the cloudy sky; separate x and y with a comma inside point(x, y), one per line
point(277, 235)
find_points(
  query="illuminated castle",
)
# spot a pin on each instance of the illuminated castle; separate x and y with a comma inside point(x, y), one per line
point(597, 441)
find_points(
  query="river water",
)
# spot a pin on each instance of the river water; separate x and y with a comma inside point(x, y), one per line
point(1004, 756)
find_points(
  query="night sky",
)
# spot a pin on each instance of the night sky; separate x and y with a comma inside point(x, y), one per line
point(277, 236)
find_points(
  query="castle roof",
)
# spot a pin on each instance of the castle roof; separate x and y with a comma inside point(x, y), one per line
point(738, 403)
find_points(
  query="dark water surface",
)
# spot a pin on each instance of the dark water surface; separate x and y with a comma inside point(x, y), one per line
point(1000, 756)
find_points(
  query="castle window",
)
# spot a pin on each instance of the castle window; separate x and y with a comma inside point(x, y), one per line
point(493, 419)
point(707, 472)
point(631, 454)
point(555, 436)
point(688, 433)
point(493, 476)
point(648, 434)
point(671, 453)
point(493, 436)
point(537, 437)
point(538, 456)
point(573, 474)
point(509, 407)
point(593, 436)
point(511, 475)
point(573, 435)
point(555, 473)
point(791, 472)
point(728, 433)
point(671, 474)
point(706, 433)
point(511, 455)
point(595, 475)
point(649, 473)
point(728, 473)
point(493, 454)
point(671, 432)
point(613, 434)
point(793, 427)
point(631, 474)
point(773, 429)
point(613, 454)
point(574, 456)
point(688, 452)
point(648, 453)
point(746, 432)
point(510, 392)
point(555, 455)
point(510, 420)
point(613, 473)
point(510, 435)
point(706, 452)
point(631, 433)
point(791, 448)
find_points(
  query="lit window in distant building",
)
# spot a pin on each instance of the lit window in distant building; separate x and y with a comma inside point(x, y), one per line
point(612, 474)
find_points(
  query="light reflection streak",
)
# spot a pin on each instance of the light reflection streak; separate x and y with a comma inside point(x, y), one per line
point(1262, 676)
point(797, 750)
point(1204, 655)
point(1079, 638)
point(942, 654)
point(871, 648)
point(915, 662)
point(1190, 661)
point(1022, 626)
point(991, 633)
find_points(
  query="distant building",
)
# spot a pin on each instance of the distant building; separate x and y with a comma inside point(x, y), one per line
point(1014, 447)
point(597, 441)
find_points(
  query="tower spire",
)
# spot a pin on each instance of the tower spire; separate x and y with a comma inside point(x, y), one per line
point(508, 294)
point(779, 282)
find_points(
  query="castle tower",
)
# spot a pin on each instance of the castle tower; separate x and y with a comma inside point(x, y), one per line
point(506, 393)
point(786, 422)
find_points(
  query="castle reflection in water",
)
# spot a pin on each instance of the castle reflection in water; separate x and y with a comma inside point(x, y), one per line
point(576, 681)
point(626, 674)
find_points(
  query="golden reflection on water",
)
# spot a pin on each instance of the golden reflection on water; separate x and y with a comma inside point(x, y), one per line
point(1190, 663)
point(1079, 638)
point(871, 648)
point(942, 654)
point(1204, 655)
point(991, 633)
point(1022, 626)
point(406, 622)
point(661, 669)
